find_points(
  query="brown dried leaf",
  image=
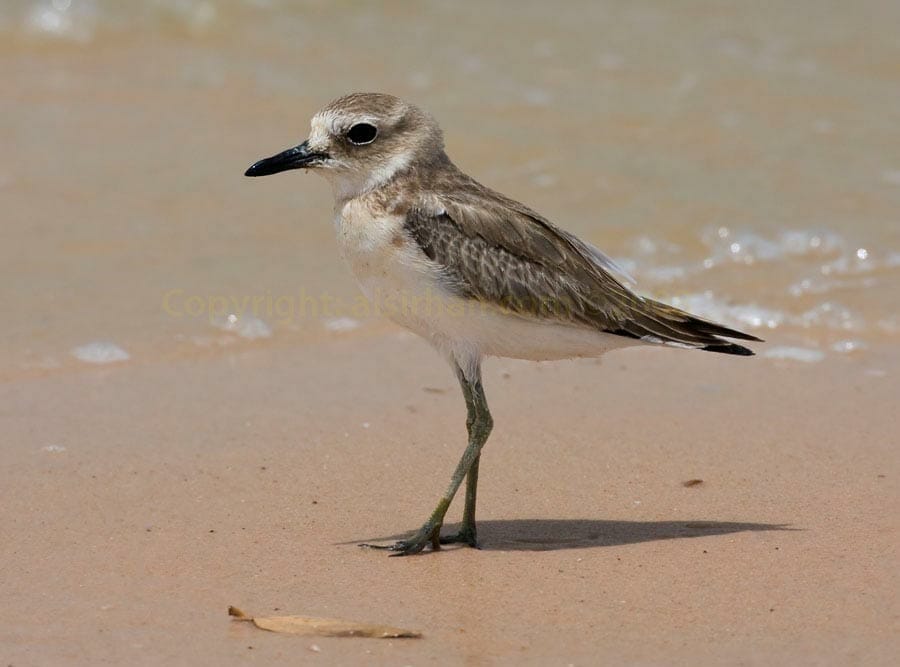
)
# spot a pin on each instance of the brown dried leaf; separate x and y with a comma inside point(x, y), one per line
point(692, 482)
point(322, 627)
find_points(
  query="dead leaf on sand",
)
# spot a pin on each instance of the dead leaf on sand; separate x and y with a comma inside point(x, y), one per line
point(692, 482)
point(322, 627)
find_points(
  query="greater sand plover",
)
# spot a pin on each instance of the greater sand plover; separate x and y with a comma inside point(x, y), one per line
point(473, 272)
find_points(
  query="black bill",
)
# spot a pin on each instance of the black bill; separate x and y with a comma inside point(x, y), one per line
point(297, 157)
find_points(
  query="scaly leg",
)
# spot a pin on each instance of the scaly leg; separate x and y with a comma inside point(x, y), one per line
point(475, 405)
point(479, 423)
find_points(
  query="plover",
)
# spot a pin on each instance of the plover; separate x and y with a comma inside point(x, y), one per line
point(473, 272)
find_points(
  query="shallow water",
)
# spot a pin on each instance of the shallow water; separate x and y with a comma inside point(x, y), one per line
point(740, 162)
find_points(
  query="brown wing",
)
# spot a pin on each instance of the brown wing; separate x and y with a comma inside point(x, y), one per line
point(495, 250)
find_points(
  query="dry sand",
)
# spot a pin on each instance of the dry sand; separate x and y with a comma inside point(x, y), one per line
point(248, 478)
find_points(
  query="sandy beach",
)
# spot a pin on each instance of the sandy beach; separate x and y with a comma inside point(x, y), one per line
point(198, 411)
point(142, 501)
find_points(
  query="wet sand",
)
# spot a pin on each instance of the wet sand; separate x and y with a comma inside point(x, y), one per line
point(684, 143)
point(141, 500)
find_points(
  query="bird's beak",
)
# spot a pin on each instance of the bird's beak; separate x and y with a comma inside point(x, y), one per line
point(298, 157)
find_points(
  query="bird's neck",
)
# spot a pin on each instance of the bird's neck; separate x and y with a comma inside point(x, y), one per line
point(352, 184)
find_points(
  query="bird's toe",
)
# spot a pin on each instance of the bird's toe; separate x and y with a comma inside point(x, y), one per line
point(464, 536)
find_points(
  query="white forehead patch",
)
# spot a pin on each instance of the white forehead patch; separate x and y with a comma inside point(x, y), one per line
point(320, 130)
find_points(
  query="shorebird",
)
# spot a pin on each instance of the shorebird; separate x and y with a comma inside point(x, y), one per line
point(473, 272)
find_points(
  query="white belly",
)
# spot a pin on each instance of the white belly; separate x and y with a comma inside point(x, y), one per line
point(493, 332)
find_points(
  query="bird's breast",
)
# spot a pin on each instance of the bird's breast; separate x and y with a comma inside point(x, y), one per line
point(369, 240)
point(391, 270)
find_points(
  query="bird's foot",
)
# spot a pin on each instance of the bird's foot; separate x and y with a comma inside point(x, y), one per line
point(466, 535)
point(427, 534)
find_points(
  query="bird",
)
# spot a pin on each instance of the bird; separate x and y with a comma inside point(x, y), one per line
point(473, 272)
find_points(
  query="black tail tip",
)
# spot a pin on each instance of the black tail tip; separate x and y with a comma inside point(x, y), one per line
point(730, 348)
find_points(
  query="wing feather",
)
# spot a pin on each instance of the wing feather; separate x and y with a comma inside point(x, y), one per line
point(498, 251)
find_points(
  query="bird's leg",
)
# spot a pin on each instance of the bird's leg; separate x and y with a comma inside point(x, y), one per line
point(476, 405)
point(479, 423)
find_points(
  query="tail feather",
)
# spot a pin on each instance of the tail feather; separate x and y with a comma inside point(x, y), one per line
point(657, 321)
point(730, 348)
point(719, 330)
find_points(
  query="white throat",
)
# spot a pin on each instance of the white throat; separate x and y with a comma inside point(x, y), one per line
point(348, 185)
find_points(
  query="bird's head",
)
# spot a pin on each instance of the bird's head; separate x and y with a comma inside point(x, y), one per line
point(361, 141)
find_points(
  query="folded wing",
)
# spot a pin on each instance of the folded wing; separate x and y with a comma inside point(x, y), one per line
point(495, 250)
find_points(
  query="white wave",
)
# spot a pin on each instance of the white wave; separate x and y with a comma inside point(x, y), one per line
point(100, 352)
point(805, 354)
point(246, 326)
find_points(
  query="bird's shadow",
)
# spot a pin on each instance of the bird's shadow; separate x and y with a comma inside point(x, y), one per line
point(556, 534)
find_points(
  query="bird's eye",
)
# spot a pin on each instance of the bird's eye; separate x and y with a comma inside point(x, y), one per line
point(362, 133)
